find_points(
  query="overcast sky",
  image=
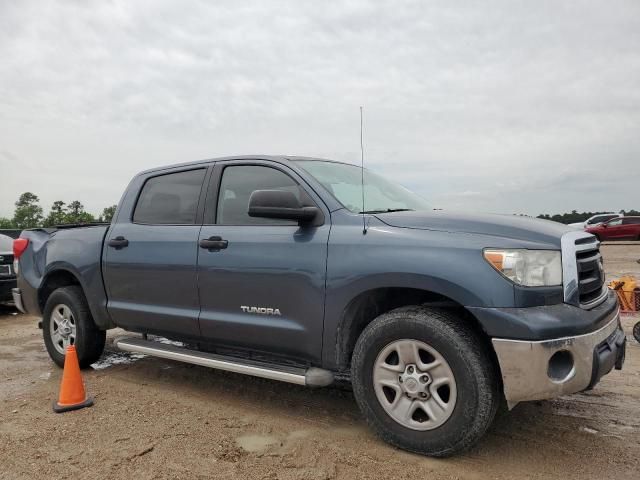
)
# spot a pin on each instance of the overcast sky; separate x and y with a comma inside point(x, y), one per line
point(529, 106)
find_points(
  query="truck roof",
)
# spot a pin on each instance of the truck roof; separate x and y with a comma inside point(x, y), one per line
point(276, 158)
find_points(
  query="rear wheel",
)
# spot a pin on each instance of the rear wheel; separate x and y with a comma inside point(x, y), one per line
point(67, 321)
point(424, 381)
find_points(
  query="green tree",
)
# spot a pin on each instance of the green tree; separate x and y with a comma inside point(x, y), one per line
point(107, 214)
point(28, 212)
point(75, 213)
point(6, 223)
point(56, 215)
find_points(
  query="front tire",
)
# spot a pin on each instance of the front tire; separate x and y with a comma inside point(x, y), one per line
point(424, 381)
point(66, 320)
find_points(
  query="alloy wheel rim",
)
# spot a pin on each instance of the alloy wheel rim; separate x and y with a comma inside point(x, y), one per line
point(414, 384)
point(62, 327)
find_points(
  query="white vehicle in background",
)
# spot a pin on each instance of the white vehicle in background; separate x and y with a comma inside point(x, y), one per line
point(595, 220)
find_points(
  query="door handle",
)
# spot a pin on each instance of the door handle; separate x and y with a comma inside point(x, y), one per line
point(213, 243)
point(118, 242)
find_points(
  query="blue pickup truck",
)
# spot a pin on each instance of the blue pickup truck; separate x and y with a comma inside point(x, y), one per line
point(274, 267)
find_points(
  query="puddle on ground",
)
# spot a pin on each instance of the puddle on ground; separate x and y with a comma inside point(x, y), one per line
point(256, 443)
point(110, 359)
point(166, 341)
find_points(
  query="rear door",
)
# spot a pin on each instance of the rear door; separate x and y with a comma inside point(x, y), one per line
point(264, 289)
point(631, 228)
point(151, 253)
point(636, 228)
point(613, 229)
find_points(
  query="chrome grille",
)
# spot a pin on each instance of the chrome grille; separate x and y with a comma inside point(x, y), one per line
point(582, 270)
point(6, 266)
point(590, 275)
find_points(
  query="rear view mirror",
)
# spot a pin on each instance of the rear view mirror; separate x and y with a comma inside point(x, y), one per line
point(280, 204)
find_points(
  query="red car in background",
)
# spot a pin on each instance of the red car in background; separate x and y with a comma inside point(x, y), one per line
point(623, 228)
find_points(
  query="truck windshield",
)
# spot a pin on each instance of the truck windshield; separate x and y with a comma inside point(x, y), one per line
point(6, 244)
point(344, 182)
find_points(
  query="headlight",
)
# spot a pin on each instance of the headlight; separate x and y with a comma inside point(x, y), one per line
point(531, 268)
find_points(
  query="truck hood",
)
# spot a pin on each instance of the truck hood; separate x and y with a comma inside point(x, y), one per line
point(507, 226)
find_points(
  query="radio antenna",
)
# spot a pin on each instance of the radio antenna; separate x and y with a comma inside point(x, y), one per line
point(364, 225)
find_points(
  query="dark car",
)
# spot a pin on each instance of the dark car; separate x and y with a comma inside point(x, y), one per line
point(7, 275)
point(623, 228)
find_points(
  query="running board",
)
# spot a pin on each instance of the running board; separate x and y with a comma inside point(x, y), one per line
point(312, 377)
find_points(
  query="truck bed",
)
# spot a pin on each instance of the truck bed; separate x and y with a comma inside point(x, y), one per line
point(73, 249)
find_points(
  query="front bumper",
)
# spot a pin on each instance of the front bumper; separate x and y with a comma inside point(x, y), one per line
point(535, 370)
point(6, 285)
point(17, 299)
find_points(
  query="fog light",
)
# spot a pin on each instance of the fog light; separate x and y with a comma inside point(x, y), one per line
point(560, 366)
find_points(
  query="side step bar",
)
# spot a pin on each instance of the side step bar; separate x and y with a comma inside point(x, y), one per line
point(313, 377)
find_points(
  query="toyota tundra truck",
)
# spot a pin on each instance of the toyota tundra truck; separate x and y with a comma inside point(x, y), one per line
point(317, 272)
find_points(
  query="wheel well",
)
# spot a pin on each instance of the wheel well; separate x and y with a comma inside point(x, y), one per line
point(53, 281)
point(368, 305)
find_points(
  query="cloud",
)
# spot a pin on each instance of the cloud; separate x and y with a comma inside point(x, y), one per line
point(500, 106)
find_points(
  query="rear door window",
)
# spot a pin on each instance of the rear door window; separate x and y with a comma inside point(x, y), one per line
point(170, 199)
point(601, 218)
point(6, 244)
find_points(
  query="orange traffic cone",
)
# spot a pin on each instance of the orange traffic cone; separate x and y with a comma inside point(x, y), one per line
point(72, 396)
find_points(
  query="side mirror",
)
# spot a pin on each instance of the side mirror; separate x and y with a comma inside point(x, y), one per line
point(280, 204)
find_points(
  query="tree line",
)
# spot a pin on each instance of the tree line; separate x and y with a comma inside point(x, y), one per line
point(575, 217)
point(29, 214)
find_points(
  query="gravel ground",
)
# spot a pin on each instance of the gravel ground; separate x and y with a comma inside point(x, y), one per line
point(160, 419)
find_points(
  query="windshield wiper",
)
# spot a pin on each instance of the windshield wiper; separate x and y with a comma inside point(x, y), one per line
point(389, 210)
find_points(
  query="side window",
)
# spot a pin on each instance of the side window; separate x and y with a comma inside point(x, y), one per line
point(237, 185)
point(600, 219)
point(630, 221)
point(613, 223)
point(170, 199)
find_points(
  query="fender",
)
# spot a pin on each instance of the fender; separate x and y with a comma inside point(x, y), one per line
point(91, 283)
point(340, 300)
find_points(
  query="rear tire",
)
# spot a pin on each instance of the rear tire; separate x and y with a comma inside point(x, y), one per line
point(67, 320)
point(636, 331)
point(455, 423)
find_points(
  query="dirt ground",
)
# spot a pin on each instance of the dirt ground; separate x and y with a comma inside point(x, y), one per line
point(160, 419)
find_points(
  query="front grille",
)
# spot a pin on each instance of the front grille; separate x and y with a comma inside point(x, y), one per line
point(582, 270)
point(590, 275)
point(6, 266)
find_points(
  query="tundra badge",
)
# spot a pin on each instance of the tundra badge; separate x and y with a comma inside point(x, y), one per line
point(261, 310)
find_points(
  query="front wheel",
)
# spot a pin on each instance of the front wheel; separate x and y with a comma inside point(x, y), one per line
point(66, 320)
point(424, 381)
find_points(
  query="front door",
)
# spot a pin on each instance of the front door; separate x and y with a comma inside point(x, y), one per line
point(151, 258)
point(263, 286)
